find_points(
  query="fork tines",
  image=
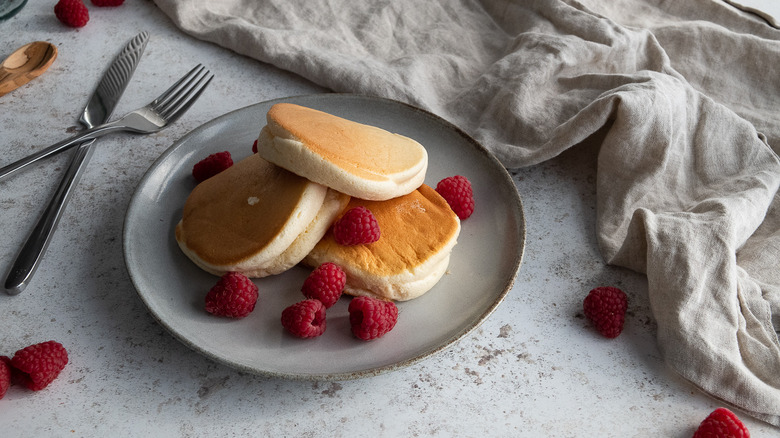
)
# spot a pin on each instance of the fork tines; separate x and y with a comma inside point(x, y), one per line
point(182, 94)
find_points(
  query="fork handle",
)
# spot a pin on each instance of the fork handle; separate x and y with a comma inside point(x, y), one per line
point(87, 134)
point(32, 252)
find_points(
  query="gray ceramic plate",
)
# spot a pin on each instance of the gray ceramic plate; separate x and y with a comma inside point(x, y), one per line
point(482, 269)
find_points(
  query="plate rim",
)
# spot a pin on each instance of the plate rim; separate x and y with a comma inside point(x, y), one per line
point(476, 320)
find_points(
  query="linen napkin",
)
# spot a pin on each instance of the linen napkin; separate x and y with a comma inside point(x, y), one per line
point(688, 93)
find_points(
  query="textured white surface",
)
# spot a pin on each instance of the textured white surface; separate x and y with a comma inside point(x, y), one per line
point(767, 9)
point(535, 368)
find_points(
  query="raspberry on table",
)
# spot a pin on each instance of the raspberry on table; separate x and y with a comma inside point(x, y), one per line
point(456, 190)
point(107, 2)
point(211, 165)
point(305, 319)
point(371, 318)
point(325, 283)
point(72, 13)
point(606, 308)
point(5, 375)
point(233, 296)
point(722, 423)
point(357, 226)
point(39, 364)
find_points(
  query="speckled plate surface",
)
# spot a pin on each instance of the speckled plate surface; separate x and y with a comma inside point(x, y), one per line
point(482, 269)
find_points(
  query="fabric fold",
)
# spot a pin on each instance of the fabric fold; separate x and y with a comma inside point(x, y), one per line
point(687, 181)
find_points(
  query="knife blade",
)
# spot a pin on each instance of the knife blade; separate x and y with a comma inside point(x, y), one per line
point(97, 111)
point(114, 81)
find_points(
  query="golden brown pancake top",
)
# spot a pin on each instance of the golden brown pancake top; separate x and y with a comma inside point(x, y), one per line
point(412, 228)
point(363, 150)
point(236, 213)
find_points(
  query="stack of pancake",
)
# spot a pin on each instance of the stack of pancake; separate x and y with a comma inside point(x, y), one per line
point(274, 209)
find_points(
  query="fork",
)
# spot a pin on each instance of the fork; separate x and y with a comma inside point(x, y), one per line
point(158, 114)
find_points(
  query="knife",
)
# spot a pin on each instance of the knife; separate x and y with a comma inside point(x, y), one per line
point(97, 111)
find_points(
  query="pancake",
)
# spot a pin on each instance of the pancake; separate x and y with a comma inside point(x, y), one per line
point(255, 218)
point(418, 232)
point(360, 160)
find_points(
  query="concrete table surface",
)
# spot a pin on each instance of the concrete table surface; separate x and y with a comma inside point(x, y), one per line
point(534, 368)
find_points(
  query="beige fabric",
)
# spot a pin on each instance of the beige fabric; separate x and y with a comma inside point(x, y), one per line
point(688, 90)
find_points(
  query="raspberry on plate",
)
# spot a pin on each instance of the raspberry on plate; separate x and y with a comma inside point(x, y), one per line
point(456, 190)
point(39, 364)
point(72, 13)
point(107, 2)
point(325, 283)
point(606, 308)
point(5, 375)
point(722, 423)
point(233, 296)
point(305, 319)
point(371, 318)
point(357, 226)
point(211, 165)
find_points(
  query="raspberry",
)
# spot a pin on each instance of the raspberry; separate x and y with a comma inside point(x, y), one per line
point(358, 225)
point(39, 364)
point(254, 147)
point(107, 2)
point(5, 375)
point(722, 423)
point(305, 319)
point(326, 283)
point(371, 318)
point(211, 165)
point(233, 296)
point(71, 13)
point(606, 307)
point(456, 190)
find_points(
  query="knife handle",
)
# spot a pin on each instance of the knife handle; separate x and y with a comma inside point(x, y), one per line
point(32, 252)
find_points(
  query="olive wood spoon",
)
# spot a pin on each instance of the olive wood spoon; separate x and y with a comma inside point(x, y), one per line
point(25, 64)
